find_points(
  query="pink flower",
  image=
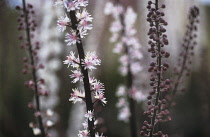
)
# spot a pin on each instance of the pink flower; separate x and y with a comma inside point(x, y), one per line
point(108, 8)
point(89, 115)
point(84, 15)
point(77, 96)
point(77, 75)
point(136, 68)
point(72, 60)
point(82, 3)
point(71, 38)
point(70, 5)
point(98, 86)
point(121, 91)
point(124, 114)
point(100, 96)
point(91, 60)
point(83, 24)
point(62, 22)
point(116, 27)
point(121, 103)
point(118, 48)
point(137, 95)
point(83, 133)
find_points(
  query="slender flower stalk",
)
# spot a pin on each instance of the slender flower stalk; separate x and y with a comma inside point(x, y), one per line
point(89, 103)
point(160, 86)
point(32, 65)
point(30, 51)
point(185, 57)
point(79, 22)
point(129, 48)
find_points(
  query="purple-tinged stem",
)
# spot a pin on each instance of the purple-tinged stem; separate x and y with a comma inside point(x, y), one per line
point(158, 74)
point(41, 126)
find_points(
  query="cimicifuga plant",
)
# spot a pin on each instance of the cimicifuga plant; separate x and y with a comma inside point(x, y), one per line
point(187, 51)
point(157, 112)
point(128, 47)
point(27, 25)
point(77, 21)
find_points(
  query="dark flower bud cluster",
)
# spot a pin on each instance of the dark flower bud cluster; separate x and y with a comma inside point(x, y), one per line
point(27, 26)
point(157, 111)
point(187, 51)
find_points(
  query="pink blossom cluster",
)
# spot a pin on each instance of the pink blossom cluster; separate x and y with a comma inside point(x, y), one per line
point(85, 133)
point(128, 47)
point(91, 60)
point(79, 65)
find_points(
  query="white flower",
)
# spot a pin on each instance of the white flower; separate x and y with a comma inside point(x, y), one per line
point(137, 95)
point(83, 133)
point(71, 38)
point(121, 102)
point(114, 37)
point(108, 8)
point(100, 96)
point(123, 70)
point(72, 60)
point(77, 96)
point(117, 10)
point(36, 131)
point(118, 48)
point(136, 68)
point(49, 123)
point(77, 75)
point(89, 115)
point(124, 114)
point(84, 15)
point(121, 91)
point(58, 3)
point(83, 24)
point(91, 60)
point(49, 112)
point(83, 33)
point(98, 86)
point(70, 5)
point(62, 22)
point(116, 26)
point(97, 135)
point(124, 60)
point(92, 80)
point(85, 124)
point(130, 17)
point(82, 3)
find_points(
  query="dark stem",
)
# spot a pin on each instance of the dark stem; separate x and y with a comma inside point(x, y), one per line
point(89, 103)
point(182, 68)
point(41, 126)
point(129, 78)
point(159, 74)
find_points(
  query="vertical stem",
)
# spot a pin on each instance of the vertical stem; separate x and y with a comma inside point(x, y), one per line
point(159, 74)
point(89, 103)
point(129, 78)
point(41, 126)
point(182, 68)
